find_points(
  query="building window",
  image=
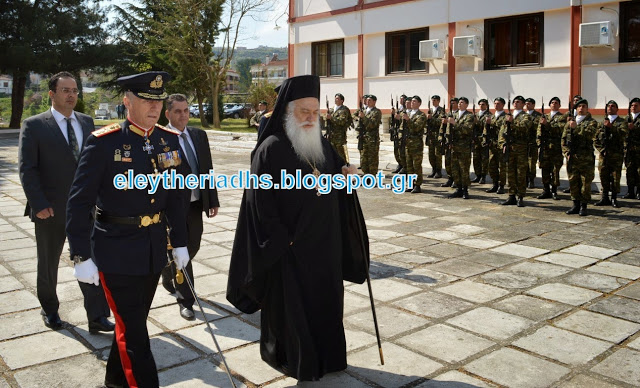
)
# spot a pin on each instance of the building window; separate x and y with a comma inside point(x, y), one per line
point(328, 58)
point(513, 41)
point(630, 31)
point(402, 50)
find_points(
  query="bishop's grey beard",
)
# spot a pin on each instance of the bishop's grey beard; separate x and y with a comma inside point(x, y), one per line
point(307, 142)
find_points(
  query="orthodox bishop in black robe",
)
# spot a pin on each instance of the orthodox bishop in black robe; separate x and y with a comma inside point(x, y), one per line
point(294, 247)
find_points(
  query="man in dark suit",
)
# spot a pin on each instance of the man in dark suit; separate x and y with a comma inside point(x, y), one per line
point(194, 145)
point(50, 145)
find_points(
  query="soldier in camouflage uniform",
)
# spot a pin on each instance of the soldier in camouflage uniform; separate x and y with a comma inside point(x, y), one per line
point(609, 142)
point(358, 124)
point(434, 118)
point(632, 150)
point(339, 117)
point(548, 139)
point(255, 119)
point(415, 121)
point(461, 133)
point(532, 151)
point(497, 164)
point(480, 152)
point(399, 146)
point(577, 146)
point(518, 140)
point(370, 120)
point(442, 138)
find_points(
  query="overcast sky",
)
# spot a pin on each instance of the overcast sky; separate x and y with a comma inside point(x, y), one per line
point(256, 32)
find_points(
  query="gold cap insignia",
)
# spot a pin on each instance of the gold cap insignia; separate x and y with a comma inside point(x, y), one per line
point(156, 83)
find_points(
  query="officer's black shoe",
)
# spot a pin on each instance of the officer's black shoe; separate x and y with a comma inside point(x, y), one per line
point(416, 190)
point(493, 189)
point(187, 313)
point(567, 190)
point(167, 283)
point(630, 193)
point(583, 209)
point(500, 190)
point(575, 209)
point(520, 201)
point(438, 175)
point(554, 193)
point(604, 201)
point(448, 183)
point(52, 321)
point(545, 194)
point(456, 194)
point(483, 180)
point(477, 180)
point(433, 174)
point(510, 201)
point(614, 200)
point(465, 193)
point(101, 324)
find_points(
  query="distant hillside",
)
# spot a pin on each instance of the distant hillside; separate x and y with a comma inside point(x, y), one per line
point(260, 53)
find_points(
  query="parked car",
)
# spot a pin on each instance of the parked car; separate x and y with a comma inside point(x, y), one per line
point(193, 110)
point(239, 111)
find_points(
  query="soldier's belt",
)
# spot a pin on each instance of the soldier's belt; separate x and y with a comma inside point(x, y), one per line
point(143, 220)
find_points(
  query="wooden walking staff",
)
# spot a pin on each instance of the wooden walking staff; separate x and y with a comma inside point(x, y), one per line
point(366, 269)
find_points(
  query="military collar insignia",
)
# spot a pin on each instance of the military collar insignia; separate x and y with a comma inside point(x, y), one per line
point(139, 131)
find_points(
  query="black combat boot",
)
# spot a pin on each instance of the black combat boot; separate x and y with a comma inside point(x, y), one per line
point(500, 190)
point(483, 179)
point(493, 189)
point(465, 193)
point(546, 192)
point(614, 200)
point(520, 201)
point(510, 201)
point(554, 192)
point(397, 169)
point(456, 194)
point(454, 185)
point(402, 171)
point(631, 193)
point(438, 175)
point(604, 201)
point(531, 184)
point(477, 179)
point(448, 183)
point(567, 190)
point(416, 190)
point(433, 174)
point(583, 209)
point(575, 209)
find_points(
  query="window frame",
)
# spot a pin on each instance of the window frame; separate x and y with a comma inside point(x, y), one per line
point(514, 41)
point(387, 51)
point(314, 48)
point(624, 14)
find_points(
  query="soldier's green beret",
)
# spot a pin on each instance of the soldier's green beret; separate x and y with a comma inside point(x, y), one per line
point(340, 96)
point(582, 101)
point(634, 100)
point(518, 98)
point(365, 96)
point(417, 98)
point(465, 99)
point(403, 96)
point(499, 99)
point(483, 100)
point(612, 102)
point(454, 99)
point(577, 97)
point(435, 97)
point(374, 98)
point(531, 100)
point(555, 99)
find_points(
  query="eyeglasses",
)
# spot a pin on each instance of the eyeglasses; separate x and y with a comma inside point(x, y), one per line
point(69, 91)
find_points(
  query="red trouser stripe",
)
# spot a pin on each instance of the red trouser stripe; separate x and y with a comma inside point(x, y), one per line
point(120, 338)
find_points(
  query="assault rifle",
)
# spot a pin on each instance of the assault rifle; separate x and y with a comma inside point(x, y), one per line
point(542, 138)
point(507, 135)
point(403, 131)
point(426, 133)
point(442, 130)
point(475, 125)
point(569, 138)
point(629, 121)
point(327, 134)
point(393, 132)
point(360, 130)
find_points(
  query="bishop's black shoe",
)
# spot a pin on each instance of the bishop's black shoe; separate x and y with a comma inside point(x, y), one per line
point(52, 321)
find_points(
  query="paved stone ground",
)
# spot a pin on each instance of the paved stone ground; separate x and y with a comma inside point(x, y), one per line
point(468, 294)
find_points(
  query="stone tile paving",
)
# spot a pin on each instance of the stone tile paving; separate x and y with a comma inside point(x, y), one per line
point(468, 294)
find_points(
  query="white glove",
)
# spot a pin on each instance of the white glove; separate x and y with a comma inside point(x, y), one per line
point(181, 257)
point(87, 272)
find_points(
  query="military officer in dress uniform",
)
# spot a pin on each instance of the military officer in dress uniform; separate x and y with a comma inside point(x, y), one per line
point(127, 248)
point(340, 120)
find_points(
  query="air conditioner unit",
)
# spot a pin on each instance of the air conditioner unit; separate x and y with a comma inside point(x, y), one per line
point(431, 49)
point(466, 46)
point(596, 34)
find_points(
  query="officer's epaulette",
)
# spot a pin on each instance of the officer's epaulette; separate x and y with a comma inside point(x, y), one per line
point(106, 130)
point(167, 129)
point(268, 114)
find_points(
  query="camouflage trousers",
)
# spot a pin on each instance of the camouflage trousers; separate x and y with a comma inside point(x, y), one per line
point(369, 156)
point(551, 165)
point(414, 155)
point(460, 165)
point(339, 147)
point(517, 168)
point(532, 157)
point(497, 167)
point(447, 162)
point(400, 154)
point(581, 175)
point(610, 169)
point(480, 159)
point(435, 153)
point(632, 162)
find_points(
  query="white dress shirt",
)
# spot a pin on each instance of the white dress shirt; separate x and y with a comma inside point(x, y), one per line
point(62, 124)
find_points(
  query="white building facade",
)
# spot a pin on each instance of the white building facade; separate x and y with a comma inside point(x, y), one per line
point(531, 48)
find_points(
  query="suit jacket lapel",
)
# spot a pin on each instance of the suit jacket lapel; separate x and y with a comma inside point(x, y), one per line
point(57, 136)
point(87, 128)
point(196, 143)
